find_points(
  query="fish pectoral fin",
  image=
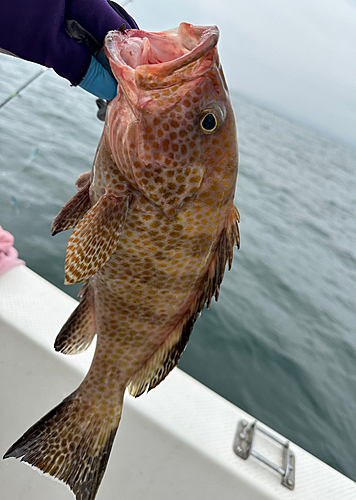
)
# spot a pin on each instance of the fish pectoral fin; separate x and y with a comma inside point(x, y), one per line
point(73, 211)
point(79, 330)
point(167, 355)
point(95, 238)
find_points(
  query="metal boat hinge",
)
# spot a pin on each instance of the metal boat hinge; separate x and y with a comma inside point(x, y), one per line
point(243, 447)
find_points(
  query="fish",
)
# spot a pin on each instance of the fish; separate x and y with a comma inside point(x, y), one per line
point(154, 227)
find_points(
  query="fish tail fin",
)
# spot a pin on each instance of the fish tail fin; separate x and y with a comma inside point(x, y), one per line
point(71, 443)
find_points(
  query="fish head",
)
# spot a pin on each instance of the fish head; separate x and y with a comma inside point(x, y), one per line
point(172, 120)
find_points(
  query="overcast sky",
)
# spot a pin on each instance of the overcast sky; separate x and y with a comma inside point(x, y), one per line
point(295, 56)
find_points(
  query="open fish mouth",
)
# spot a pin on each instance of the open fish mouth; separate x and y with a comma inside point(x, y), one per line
point(155, 57)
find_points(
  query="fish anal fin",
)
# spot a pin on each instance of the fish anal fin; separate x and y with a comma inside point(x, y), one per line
point(73, 211)
point(95, 238)
point(71, 444)
point(166, 357)
point(79, 330)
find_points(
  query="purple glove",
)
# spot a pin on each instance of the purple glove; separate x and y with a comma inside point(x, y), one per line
point(36, 30)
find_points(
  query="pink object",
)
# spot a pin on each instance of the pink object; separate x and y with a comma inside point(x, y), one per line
point(8, 254)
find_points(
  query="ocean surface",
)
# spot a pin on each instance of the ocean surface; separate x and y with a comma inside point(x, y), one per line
point(281, 341)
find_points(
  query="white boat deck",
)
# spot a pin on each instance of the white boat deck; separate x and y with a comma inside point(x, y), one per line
point(173, 443)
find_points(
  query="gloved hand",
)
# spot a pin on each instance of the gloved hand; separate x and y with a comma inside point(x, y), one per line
point(52, 28)
point(8, 254)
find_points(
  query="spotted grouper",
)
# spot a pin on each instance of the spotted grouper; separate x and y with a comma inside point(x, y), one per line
point(154, 227)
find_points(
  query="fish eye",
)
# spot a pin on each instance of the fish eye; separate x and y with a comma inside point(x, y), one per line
point(209, 123)
point(211, 119)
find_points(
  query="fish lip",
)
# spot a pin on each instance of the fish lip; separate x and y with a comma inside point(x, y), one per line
point(206, 36)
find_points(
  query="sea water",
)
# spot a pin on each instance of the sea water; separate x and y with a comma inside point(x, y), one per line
point(281, 341)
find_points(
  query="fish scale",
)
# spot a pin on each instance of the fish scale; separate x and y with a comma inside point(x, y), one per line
point(154, 227)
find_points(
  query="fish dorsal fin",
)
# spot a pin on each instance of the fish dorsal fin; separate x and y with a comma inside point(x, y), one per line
point(79, 330)
point(95, 238)
point(166, 357)
point(73, 211)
